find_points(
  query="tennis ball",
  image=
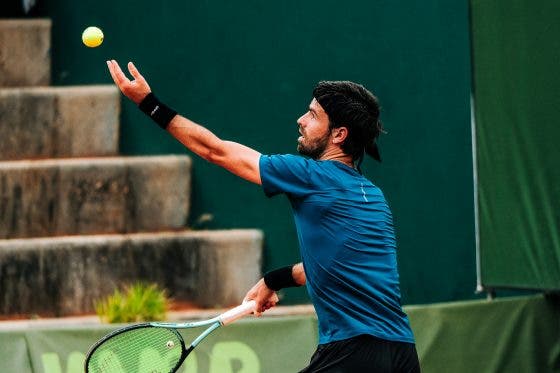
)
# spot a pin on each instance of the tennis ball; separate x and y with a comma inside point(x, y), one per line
point(92, 36)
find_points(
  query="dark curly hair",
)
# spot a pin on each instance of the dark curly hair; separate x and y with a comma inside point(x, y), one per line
point(351, 105)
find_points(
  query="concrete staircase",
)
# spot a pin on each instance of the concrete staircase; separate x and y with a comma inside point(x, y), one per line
point(76, 219)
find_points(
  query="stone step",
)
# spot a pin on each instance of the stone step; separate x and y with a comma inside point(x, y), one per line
point(53, 197)
point(58, 122)
point(65, 275)
point(25, 52)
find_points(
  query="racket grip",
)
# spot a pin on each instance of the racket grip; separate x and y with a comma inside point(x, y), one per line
point(238, 312)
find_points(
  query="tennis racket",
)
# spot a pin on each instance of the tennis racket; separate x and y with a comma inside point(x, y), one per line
point(153, 347)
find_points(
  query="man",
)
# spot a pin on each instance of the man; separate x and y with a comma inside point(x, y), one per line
point(344, 225)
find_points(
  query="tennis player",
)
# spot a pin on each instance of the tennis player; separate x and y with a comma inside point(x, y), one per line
point(344, 224)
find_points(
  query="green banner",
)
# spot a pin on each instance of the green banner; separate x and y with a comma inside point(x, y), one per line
point(516, 49)
point(520, 335)
point(509, 335)
point(248, 346)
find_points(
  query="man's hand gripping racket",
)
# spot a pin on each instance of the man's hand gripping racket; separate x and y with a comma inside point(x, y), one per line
point(153, 347)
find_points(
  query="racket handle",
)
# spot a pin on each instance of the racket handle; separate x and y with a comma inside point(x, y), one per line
point(238, 312)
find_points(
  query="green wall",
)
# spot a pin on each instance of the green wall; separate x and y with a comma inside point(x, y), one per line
point(516, 50)
point(246, 70)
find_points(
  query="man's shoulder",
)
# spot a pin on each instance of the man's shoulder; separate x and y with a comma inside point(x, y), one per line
point(283, 156)
point(291, 159)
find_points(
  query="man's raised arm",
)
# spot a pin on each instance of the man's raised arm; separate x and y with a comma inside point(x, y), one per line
point(236, 158)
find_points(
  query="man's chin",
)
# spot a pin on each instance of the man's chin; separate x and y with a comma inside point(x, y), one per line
point(302, 150)
point(309, 151)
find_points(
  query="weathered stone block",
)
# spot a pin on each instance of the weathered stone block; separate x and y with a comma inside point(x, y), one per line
point(25, 58)
point(64, 275)
point(56, 122)
point(93, 195)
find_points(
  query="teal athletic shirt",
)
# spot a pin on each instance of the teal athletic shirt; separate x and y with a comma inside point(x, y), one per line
point(348, 248)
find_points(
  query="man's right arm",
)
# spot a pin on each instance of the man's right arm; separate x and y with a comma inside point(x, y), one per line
point(264, 291)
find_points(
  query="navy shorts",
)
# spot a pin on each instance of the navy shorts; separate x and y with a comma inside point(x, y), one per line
point(363, 354)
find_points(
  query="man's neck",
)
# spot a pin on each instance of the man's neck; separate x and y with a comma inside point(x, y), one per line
point(336, 154)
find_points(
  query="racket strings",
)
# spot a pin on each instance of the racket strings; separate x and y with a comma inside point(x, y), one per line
point(141, 350)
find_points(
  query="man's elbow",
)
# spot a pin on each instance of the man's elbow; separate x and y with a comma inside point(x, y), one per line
point(215, 155)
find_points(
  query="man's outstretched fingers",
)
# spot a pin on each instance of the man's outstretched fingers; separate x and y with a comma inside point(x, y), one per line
point(120, 78)
point(134, 71)
point(110, 67)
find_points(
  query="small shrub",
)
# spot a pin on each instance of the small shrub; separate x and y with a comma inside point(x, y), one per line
point(138, 302)
point(202, 221)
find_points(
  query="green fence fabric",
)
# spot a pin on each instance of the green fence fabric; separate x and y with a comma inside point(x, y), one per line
point(516, 50)
point(282, 344)
point(519, 335)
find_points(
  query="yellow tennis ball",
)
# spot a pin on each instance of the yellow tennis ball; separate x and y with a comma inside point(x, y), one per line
point(92, 36)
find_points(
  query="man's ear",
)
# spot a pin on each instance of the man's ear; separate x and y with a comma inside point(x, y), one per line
point(339, 135)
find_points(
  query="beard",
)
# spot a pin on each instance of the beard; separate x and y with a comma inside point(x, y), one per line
point(313, 148)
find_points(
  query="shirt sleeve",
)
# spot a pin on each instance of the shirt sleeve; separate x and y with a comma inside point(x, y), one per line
point(287, 174)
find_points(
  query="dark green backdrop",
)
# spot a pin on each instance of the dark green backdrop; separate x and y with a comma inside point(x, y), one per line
point(246, 70)
point(516, 50)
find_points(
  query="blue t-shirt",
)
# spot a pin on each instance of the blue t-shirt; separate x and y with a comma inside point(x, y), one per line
point(347, 242)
